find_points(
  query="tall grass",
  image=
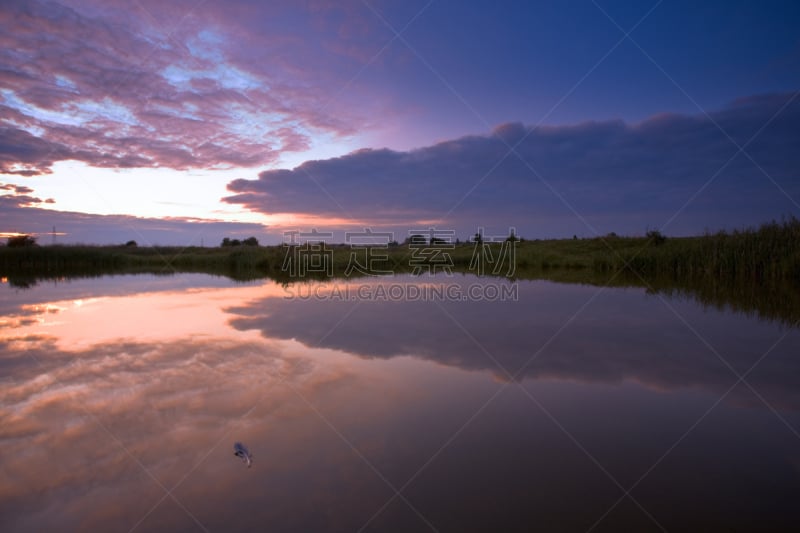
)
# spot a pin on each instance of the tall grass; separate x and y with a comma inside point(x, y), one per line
point(768, 253)
point(752, 270)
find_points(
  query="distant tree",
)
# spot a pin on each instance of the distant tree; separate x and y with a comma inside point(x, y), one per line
point(21, 240)
point(656, 237)
point(437, 241)
point(131, 244)
point(511, 237)
point(416, 240)
point(232, 242)
point(250, 241)
point(393, 244)
point(478, 237)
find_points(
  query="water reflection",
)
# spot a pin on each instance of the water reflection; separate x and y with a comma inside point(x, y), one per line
point(621, 334)
point(114, 394)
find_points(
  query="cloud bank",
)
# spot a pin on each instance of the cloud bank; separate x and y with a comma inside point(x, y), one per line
point(614, 174)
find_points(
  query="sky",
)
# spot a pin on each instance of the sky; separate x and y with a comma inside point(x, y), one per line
point(184, 122)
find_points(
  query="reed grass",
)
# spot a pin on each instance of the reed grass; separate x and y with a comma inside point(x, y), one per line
point(770, 252)
point(751, 270)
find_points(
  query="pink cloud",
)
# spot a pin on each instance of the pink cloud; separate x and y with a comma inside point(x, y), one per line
point(112, 85)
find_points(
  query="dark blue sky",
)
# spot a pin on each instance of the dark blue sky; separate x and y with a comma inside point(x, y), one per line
point(562, 62)
point(194, 112)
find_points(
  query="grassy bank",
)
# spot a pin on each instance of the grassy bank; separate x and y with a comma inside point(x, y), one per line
point(768, 253)
point(756, 270)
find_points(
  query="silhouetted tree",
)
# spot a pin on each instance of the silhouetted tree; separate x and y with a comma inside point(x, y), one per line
point(656, 237)
point(21, 240)
point(416, 240)
point(131, 244)
point(250, 241)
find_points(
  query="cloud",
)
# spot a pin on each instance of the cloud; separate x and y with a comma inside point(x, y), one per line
point(617, 175)
point(19, 200)
point(19, 196)
point(157, 84)
point(24, 154)
point(19, 189)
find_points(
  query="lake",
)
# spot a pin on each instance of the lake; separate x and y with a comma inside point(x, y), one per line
point(445, 403)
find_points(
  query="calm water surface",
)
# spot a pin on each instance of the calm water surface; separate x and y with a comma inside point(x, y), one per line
point(573, 408)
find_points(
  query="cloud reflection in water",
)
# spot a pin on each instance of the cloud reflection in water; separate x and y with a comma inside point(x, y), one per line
point(97, 397)
point(624, 334)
